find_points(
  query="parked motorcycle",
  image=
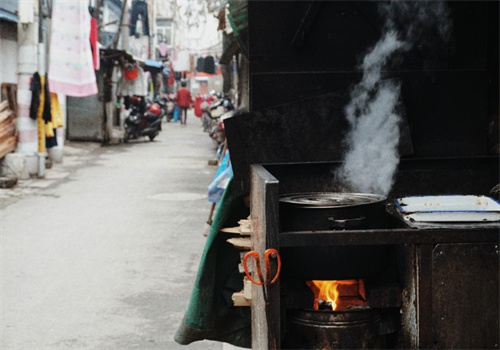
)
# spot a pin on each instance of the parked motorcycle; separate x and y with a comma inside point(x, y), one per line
point(218, 111)
point(148, 123)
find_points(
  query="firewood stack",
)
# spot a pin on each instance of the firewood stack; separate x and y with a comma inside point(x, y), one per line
point(8, 132)
point(243, 244)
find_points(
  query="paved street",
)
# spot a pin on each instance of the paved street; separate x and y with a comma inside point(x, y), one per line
point(103, 252)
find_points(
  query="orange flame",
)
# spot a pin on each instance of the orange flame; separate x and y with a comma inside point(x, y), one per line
point(329, 291)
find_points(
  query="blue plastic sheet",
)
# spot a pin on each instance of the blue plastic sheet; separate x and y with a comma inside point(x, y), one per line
point(221, 179)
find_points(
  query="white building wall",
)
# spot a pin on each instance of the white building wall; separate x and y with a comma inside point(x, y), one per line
point(8, 52)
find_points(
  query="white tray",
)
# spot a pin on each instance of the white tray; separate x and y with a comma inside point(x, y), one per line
point(450, 208)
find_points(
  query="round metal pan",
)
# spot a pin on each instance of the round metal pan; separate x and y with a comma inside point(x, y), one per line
point(332, 211)
point(323, 211)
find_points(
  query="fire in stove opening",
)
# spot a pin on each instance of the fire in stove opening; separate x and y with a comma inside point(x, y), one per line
point(338, 295)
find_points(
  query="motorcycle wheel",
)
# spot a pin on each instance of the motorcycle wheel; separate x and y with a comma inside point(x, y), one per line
point(152, 136)
point(126, 137)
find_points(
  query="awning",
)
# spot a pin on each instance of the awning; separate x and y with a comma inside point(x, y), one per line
point(238, 18)
point(109, 54)
point(8, 16)
point(153, 63)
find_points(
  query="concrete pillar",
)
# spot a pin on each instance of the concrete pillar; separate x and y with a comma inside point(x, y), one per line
point(27, 66)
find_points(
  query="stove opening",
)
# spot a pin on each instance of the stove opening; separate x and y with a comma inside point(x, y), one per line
point(338, 295)
point(355, 313)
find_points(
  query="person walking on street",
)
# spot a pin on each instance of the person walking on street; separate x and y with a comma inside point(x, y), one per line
point(184, 101)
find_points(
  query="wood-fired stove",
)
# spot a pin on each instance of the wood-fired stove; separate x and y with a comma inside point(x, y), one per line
point(439, 287)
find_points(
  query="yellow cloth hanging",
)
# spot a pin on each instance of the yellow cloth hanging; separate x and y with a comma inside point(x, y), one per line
point(55, 111)
point(39, 115)
point(49, 130)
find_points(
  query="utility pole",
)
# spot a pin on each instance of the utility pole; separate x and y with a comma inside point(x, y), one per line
point(28, 43)
point(123, 28)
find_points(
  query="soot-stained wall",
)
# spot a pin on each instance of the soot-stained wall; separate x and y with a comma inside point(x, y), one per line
point(448, 82)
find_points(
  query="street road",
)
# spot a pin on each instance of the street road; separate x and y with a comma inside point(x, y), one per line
point(103, 252)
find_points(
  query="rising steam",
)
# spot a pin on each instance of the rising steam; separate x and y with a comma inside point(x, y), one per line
point(372, 143)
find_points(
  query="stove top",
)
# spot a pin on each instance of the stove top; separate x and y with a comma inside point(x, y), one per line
point(331, 199)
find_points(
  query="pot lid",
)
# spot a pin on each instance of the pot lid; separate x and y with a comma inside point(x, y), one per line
point(330, 199)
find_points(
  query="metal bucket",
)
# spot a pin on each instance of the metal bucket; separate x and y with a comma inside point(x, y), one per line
point(349, 329)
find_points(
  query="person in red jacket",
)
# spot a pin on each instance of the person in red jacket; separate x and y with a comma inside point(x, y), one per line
point(184, 101)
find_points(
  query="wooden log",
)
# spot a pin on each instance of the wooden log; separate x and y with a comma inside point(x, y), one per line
point(8, 130)
point(240, 300)
point(247, 288)
point(7, 139)
point(10, 91)
point(8, 146)
point(240, 265)
point(5, 114)
point(245, 228)
point(235, 230)
point(4, 105)
point(241, 243)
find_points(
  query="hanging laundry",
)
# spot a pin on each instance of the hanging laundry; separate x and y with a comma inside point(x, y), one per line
point(209, 66)
point(130, 71)
point(139, 8)
point(43, 107)
point(165, 75)
point(51, 141)
point(71, 68)
point(182, 62)
point(46, 108)
point(94, 37)
point(36, 89)
point(57, 118)
point(200, 64)
point(56, 111)
point(50, 127)
point(171, 78)
point(136, 87)
point(162, 51)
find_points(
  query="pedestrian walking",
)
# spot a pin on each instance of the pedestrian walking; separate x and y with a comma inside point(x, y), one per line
point(184, 101)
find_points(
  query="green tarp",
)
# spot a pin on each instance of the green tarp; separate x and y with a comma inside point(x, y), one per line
point(210, 313)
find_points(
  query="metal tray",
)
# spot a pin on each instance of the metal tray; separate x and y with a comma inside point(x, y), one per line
point(449, 208)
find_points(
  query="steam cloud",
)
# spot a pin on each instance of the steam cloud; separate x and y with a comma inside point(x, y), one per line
point(372, 143)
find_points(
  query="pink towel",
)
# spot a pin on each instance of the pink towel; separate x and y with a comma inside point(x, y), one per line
point(162, 47)
point(71, 68)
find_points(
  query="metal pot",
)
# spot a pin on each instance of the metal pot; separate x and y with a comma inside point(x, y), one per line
point(324, 211)
point(350, 329)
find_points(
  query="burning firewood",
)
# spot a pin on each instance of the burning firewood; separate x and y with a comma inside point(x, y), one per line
point(324, 305)
point(338, 295)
